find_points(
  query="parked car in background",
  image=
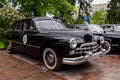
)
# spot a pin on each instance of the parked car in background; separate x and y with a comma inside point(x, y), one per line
point(50, 39)
point(111, 27)
point(112, 37)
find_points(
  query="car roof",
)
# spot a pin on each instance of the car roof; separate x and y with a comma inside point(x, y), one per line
point(84, 24)
point(41, 18)
point(38, 18)
point(109, 24)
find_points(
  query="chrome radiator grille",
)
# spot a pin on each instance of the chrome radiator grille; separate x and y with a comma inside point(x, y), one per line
point(88, 47)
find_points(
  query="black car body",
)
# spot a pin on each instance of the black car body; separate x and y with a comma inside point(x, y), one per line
point(110, 34)
point(50, 39)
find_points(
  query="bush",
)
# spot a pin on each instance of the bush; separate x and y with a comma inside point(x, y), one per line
point(7, 16)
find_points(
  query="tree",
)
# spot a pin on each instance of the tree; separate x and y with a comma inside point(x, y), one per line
point(84, 6)
point(59, 8)
point(64, 10)
point(113, 12)
point(7, 16)
point(98, 17)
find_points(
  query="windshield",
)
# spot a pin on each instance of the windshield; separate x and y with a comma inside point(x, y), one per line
point(49, 25)
point(117, 28)
point(95, 28)
point(59, 25)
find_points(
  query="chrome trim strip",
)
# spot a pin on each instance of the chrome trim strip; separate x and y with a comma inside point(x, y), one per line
point(32, 46)
point(26, 44)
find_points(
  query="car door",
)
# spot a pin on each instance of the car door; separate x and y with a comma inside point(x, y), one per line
point(16, 34)
point(112, 34)
point(30, 38)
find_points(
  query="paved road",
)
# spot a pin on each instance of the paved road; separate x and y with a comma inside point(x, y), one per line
point(12, 68)
point(105, 68)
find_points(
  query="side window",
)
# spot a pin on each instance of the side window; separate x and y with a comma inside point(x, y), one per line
point(28, 25)
point(14, 25)
point(17, 25)
point(108, 28)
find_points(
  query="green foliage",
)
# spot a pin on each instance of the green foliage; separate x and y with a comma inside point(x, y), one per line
point(72, 2)
point(7, 16)
point(114, 12)
point(59, 8)
point(64, 10)
point(98, 17)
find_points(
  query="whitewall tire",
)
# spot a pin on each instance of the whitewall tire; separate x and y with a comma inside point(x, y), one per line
point(8, 47)
point(51, 59)
point(107, 46)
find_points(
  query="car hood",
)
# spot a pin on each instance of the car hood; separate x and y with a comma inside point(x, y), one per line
point(81, 36)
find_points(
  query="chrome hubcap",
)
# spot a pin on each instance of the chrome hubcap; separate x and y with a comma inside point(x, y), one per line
point(50, 58)
point(106, 46)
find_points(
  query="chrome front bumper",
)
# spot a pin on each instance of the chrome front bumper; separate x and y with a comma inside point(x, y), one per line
point(90, 56)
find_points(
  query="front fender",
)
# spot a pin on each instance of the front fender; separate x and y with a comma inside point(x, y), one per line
point(61, 47)
point(109, 40)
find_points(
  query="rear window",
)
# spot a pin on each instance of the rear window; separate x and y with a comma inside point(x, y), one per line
point(17, 25)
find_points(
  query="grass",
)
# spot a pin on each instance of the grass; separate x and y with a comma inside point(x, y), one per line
point(1, 45)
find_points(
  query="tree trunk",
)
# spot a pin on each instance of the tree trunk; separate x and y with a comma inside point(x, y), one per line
point(79, 12)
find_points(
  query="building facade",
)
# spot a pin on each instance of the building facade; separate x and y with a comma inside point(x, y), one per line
point(97, 7)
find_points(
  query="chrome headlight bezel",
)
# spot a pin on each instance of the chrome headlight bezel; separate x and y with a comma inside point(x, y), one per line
point(102, 40)
point(73, 43)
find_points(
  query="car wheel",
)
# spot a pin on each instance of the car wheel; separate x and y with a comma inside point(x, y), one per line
point(107, 46)
point(8, 47)
point(51, 59)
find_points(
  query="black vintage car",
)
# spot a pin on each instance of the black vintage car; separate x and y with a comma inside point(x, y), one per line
point(110, 33)
point(50, 39)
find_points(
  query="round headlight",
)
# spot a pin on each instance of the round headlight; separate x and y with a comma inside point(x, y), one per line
point(73, 43)
point(102, 40)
